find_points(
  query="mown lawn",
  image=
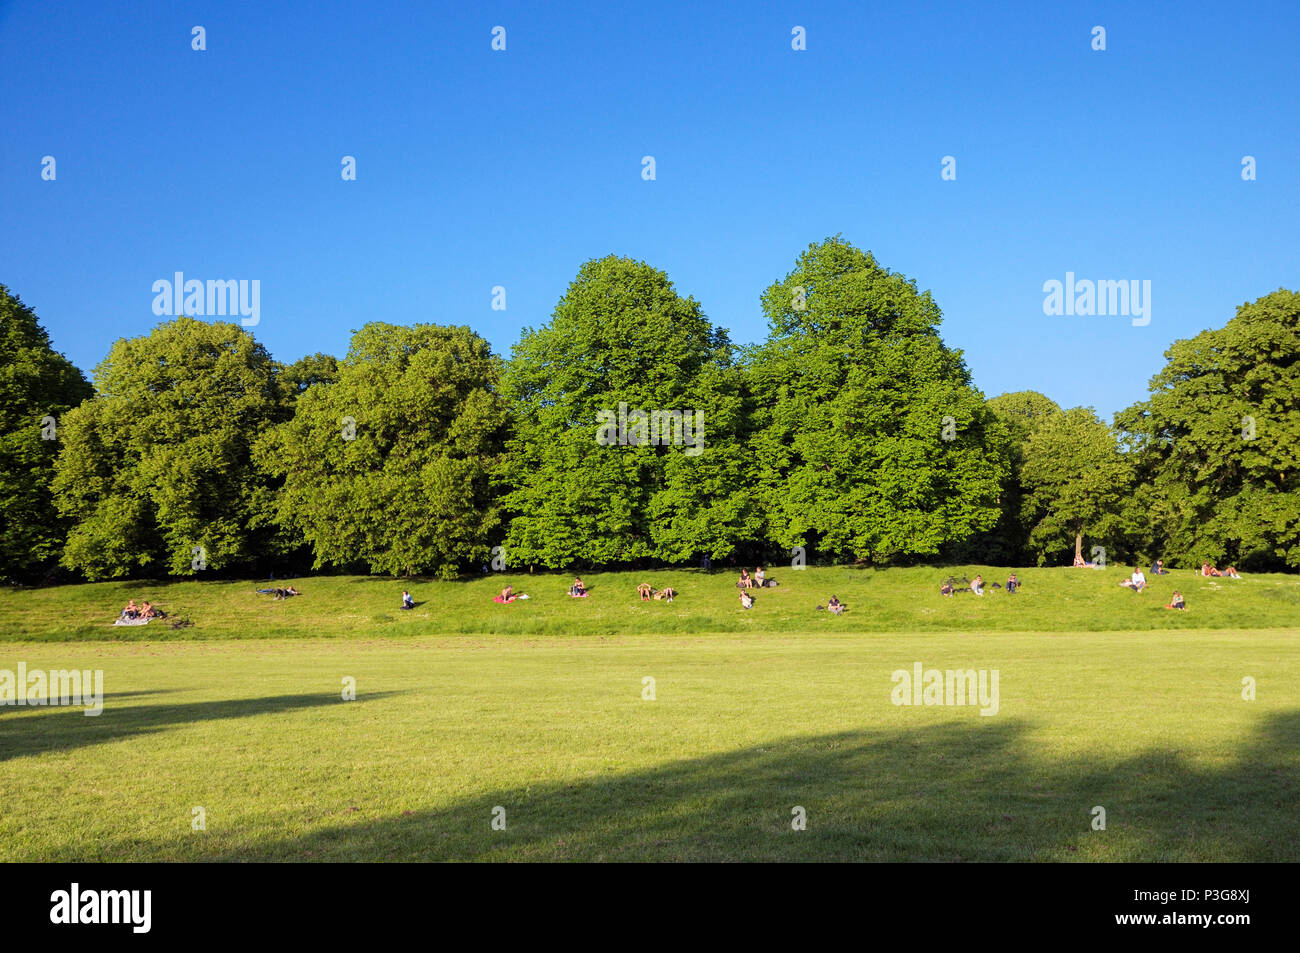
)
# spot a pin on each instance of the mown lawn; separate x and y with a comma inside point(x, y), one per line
point(891, 600)
point(745, 726)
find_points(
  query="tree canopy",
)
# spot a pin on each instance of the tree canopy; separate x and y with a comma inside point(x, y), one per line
point(585, 484)
point(628, 430)
point(37, 387)
point(388, 464)
point(869, 439)
point(1218, 440)
point(155, 473)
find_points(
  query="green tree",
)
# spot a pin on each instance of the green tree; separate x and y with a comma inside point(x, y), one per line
point(155, 471)
point(37, 387)
point(1020, 413)
point(313, 369)
point(389, 464)
point(1075, 481)
point(869, 439)
point(1218, 440)
point(621, 338)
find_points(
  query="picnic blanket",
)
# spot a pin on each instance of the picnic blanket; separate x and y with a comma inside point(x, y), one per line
point(131, 622)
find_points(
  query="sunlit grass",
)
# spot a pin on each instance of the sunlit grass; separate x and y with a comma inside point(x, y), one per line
point(1150, 725)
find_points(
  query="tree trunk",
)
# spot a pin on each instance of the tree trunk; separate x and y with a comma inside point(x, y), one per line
point(1078, 543)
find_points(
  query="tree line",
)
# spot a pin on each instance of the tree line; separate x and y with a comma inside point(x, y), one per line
point(852, 433)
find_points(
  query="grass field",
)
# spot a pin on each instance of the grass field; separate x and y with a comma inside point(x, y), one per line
point(537, 708)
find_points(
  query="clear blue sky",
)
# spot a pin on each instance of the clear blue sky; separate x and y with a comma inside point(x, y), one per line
point(477, 168)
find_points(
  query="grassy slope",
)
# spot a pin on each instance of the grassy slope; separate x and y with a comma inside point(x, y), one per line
point(879, 601)
point(776, 707)
point(1151, 726)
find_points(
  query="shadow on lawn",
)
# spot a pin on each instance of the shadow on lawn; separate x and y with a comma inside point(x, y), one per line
point(66, 727)
point(969, 791)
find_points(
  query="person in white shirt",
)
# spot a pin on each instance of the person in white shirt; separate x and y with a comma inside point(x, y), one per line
point(1137, 582)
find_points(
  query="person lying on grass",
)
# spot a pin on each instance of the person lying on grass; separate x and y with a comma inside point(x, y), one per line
point(408, 602)
point(1177, 601)
point(668, 594)
point(645, 591)
point(746, 600)
point(946, 589)
point(281, 593)
point(1231, 573)
point(1137, 582)
point(1158, 568)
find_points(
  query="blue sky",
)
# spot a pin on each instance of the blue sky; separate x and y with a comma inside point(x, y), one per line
point(478, 168)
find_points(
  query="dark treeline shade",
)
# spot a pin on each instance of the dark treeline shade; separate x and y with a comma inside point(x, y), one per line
point(852, 432)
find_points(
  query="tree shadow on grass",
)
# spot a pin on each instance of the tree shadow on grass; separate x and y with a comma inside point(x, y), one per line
point(964, 791)
point(65, 727)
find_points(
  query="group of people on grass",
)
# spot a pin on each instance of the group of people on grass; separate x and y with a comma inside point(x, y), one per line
point(976, 585)
point(142, 612)
point(648, 592)
point(756, 581)
point(1137, 581)
point(1229, 573)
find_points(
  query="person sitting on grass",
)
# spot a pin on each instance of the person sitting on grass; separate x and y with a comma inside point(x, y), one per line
point(758, 576)
point(1012, 583)
point(1177, 601)
point(147, 611)
point(1158, 568)
point(578, 590)
point(746, 580)
point(1208, 570)
point(977, 585)
point(667, 594)
point(131, 611)
point(408, 602)
point(746, 600)
point(505, 595)
point(1231, 573)
point(645, 591)
point(1137, 581)
point(835, 606)
point(946, 589)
